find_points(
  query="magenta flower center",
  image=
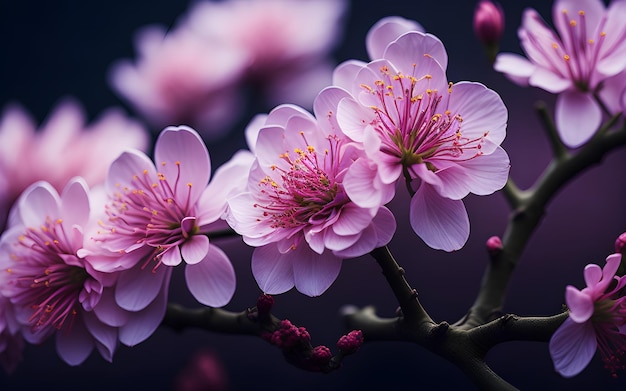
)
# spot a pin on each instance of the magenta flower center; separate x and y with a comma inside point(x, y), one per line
point(153, 212)
point(307, 191)
point(412, 125)
point(44, 281)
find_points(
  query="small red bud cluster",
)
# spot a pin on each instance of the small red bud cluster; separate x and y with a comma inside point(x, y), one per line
point(351, 342)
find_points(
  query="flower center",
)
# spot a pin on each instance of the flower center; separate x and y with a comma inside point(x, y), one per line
point(306, 190)
point(608, 316)
point(411, 124)
point(47, 276)
point(151, 211)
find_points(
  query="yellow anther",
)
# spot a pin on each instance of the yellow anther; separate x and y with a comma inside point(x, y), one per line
point(310, 148)
point(145, 172)
point(177, 163)
point(603, 34)
point(572, 23)
point(189, 184)
point(163, 163)
point(365, 86)
point(555, 46)
point(566, 57)
point(581, 13)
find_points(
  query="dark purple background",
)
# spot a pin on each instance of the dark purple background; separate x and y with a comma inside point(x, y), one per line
point(53, 49)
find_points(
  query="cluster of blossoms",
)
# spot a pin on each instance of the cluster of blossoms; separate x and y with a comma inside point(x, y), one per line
point(197, 73)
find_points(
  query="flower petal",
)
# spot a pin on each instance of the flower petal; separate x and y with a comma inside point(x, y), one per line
point(385, 31)
point(515, 67)
point(578, 117)
point(74, 346)
point(181, 156)
point(442, 223)
point(143, 323)
point(314, 273)
point(212, 281)
point(138, 287)
point(572, 347)
point(195, 249)
point(580, 304)
point(272, 270)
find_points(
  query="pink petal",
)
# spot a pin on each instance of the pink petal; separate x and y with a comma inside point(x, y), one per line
point(593, 275)
point(74, 346)
point(195, 249)
point(385, 31)
point(580, 304)
point(377, 234)
point(172, 257)
point(385, 225)
point(212, 281)
point(578, 117)
point(352, 219)
point(325, 108)
point(252, 130)
point(345, 73)
point(483, 113)
point(442, 223)
point(142, 324)
point(335, 242)
point(549, 80)
point(515, 67)
point(108, 311)
point(40, 200)
point(105, 335)
point(412, 47)
point(482, 175)
point(272, 270)
point(125, 167)
point(358, 184)
point(572, 347)
point(75, 203)
point(353, 118)
point(180, 154)
point(314, 273)
point(138, 287)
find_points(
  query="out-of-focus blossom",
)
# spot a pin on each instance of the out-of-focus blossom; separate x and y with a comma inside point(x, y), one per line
point(296, 209)
point(442, 139)
point(589, 48)
point(53, 289)
point(159, 215)
point(489, 25)
point(205, 372)
point(179, 78)
point(11, 341)
point(288, 41)
point(597, 321)
point(64, 147)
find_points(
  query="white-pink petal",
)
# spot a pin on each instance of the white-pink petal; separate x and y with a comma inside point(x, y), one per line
point(314, 273)
point(578, 116)
point(442, 223)
point(212, 281)
point(572, 347)
point(143, 323)
point(580, 304)
point(272, 270)
point(195, 249)
point(515, 67)
point(74, 346)
point(385, 31)
point(138, 287)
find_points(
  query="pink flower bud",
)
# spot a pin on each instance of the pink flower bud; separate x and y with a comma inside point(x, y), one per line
point(620, 244)
point(494, 245)
point(264, 306)
point(350, 342)
point(488, 22)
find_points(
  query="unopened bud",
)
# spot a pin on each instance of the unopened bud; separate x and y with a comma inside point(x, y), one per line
point(264, 306)
point(494, 245)
point(350, 342)
point(620, 244)
point(489, 25)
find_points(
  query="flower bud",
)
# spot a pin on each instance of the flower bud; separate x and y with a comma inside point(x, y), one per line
point(620, 244)
point(494, 245)
point(350, 342)
point(489, 25)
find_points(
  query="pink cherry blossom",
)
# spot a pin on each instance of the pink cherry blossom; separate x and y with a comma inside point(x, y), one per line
point(288, 41)
point(64, 147)
point(443, 139)
point(597, 321)
point(53, 289)
point(181, 79)
point(159, 215)
point(589, 48)
point(296, 209)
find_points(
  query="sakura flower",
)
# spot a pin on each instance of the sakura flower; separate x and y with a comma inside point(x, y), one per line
point(179, 78)
point(52, 289)
point(296, 210)
point(64, 147)
point(159, 216)
point(288, 41)
point(589, 48)
point(597, 321)
point(443, 139)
